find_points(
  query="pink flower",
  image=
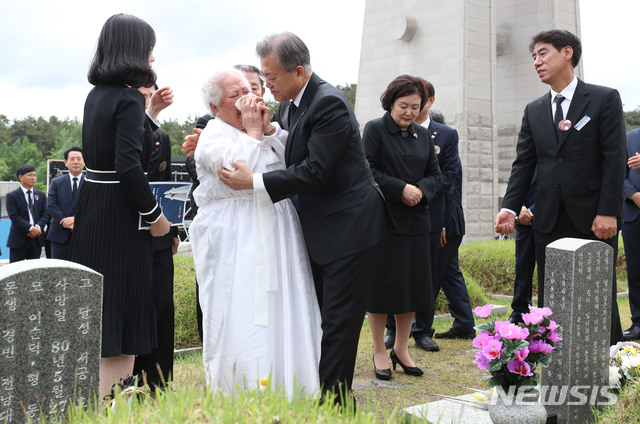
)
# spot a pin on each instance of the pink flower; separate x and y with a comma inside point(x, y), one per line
point(553, 336)
point(545, 312)
point(538, 346)
point(519, 367)
point(483, 311)
point(552, 325)
point(492, 349)
point(522, 353)
point(513, 331)
point(481, 361)
point(500, 324)
point(481, 339)
point(532, 318)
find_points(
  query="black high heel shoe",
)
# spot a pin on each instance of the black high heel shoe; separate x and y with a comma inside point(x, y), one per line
point(407, 370)
point(381, 374)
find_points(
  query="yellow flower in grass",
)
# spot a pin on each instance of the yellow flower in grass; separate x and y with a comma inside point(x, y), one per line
point(264, 382)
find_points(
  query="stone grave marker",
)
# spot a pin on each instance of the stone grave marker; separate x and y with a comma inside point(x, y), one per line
point(578, 284)
point(50, 337)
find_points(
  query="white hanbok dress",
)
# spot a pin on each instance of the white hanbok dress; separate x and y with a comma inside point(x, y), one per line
point(260, 313)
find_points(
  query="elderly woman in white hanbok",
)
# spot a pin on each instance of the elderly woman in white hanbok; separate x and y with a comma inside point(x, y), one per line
point(261, 319)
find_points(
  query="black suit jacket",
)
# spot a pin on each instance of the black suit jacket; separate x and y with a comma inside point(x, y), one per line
point(632, 178)
point(583, 168)
point(445, 140)
point(18, 211)
point(61, 204)
point(398, 160)
point(341, 208)
point(159, 169)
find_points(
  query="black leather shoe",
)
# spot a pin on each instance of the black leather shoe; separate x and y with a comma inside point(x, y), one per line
point(452, 333)
point(516, 319)
point(415, 371)
point(381, 374)
point(632, 333)
point(426, 343)
point(389, 340)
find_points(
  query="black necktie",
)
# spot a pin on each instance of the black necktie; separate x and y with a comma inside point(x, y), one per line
point(31, 208)
point(559, 116)
point(74, 191)
point(292, 111)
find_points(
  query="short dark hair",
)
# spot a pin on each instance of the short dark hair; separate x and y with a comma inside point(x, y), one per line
point(288, 48)
point(428, 88)
point(437, 116)
point(71, 149)
point(559, 38)
point(250, 69)
point(404, 85)
point(24, 169)
point(122, 53)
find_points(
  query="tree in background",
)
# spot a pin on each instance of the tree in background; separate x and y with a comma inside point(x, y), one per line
point(632, 119)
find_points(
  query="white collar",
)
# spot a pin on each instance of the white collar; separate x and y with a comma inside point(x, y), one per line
point(568, 91)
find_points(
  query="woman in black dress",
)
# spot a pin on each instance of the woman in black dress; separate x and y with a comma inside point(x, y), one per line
point(405, 165)
point(116, 195)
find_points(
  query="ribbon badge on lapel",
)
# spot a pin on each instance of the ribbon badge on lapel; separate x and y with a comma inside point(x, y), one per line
point(35, 197)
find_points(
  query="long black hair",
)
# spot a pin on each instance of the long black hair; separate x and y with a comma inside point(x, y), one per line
point(122, 53)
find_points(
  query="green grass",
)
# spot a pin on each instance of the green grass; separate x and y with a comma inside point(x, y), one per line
point(488, 268)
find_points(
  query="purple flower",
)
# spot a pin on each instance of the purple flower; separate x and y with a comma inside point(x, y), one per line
point(481, 361)
point(519, 367)
point(522, 353)
point(553, 336)
point(481, 339)
point(513, 331)
point(492, 349)
point(483, 311)
point(538, 346)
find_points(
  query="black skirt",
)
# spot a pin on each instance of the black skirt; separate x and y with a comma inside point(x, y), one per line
point(106, 239)
point(403, 281)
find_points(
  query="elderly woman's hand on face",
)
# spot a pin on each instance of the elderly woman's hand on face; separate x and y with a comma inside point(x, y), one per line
point(252, 116)
point(411, 195)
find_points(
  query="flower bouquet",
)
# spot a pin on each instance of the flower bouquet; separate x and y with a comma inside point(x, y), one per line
point(512, 353)
point(624, 363)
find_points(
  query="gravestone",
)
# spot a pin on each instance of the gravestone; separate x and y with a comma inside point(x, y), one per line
point(578, 284)
point(50, 338)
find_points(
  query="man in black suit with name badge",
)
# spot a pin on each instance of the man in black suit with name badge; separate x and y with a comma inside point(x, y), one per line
point(64, 192)
point(27, 208)
point(342, 211)
point(575, 137)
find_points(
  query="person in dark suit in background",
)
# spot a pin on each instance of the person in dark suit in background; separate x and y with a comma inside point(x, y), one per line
point(631, 231)
point(27, 209)
point(62, 201)
point(525, 257)
point(574, 136)
point(157, 366)
point(341, 208)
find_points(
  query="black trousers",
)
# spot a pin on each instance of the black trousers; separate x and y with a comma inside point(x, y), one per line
point(525, 265)
point(631, 238)
point(158, 365)
point(564, 228)
point(343, 295)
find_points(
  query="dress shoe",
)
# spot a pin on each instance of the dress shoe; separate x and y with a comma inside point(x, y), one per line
point(516, 319)
point(426, 343)
point(407, 370)
point(381, 374)
point(389, 340)
point(453, 333)
point(632, 333)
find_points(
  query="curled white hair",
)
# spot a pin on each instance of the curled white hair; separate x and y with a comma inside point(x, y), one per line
point(212, 91)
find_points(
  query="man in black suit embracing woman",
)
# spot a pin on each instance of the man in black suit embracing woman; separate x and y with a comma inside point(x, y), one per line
point(574, 136)
point(341, 208)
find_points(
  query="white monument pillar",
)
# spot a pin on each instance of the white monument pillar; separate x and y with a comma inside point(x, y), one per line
point(476, 54)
